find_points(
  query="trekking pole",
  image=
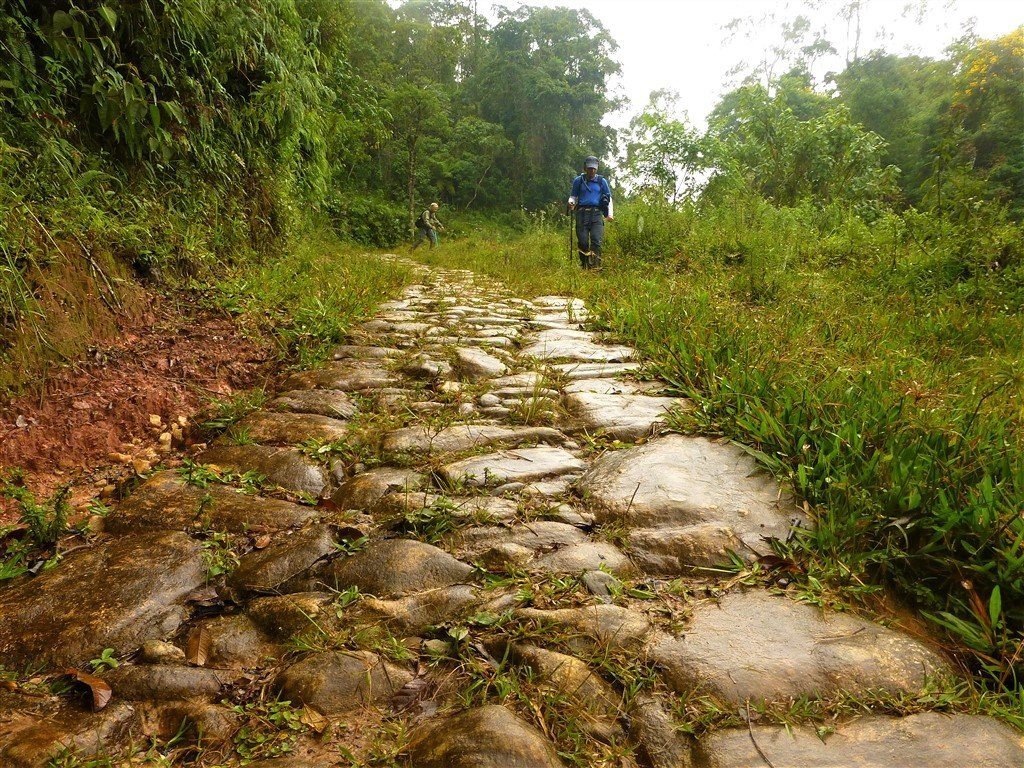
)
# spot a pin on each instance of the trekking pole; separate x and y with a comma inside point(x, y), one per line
point(568, 211)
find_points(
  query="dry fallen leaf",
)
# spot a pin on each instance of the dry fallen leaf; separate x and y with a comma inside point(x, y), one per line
point(100, 690)
point(197, 648)
point(262, 542)
point(313, 720)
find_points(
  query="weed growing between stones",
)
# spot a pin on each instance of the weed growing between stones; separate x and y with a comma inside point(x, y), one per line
point(429, 524)
point(228, 410)
point(33, 538)
point(219, 554)
point(202, 475)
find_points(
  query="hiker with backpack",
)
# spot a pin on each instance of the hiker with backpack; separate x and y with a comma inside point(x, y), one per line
point(427, 226)
point(591, 200)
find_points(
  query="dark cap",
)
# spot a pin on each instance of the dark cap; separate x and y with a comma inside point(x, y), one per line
point(590, 162)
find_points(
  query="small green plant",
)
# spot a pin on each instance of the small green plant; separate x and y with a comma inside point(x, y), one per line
point(46, 521)
point(106, 660)
point(229, 410)
point(204, 475)
point(429, 524)
point(269, 729)
point(219, 554)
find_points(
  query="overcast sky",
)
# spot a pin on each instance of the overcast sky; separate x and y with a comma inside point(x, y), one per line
point(682, 44)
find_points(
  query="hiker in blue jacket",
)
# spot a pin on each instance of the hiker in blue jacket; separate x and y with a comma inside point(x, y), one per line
point(591, 199)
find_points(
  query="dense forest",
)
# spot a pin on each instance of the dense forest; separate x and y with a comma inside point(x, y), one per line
point(162, 140)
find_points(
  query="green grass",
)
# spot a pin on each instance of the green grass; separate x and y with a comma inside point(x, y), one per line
point(308, 298)
point(878, 377)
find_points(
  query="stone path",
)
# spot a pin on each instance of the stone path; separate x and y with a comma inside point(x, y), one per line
point(472, 547)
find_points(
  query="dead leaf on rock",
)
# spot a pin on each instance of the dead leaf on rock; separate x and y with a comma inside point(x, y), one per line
point(197, 648)
point(262, 542)
point(100, 690)
point(205, 596)
point(313, 720)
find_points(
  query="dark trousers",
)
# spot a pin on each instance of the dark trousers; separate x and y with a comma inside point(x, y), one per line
point(424, 234)
point(589, 233)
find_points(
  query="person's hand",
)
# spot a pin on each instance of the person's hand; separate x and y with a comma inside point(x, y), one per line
point(572, 206)
point(609, 218)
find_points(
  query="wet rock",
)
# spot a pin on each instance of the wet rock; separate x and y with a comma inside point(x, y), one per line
point(732, 651)
point(690, 484)
point(593, 700)
point(588, 556)
point(621, 417)
point(159, 652)
point(537, 537)
point(478, 509)
point(327, 759)
point(339, 682)
point(115, 595)
point(166, 501)
point(271, 428)
point(165, 682)
point(235, 642)
point(286, 467)
point(268, 570)
point(283, 616)
point(30, 742)
point(927, 739)
point(474, 364)
point(366, 489)
point(465, 436)
point(486, 737)
point(672, 551)
point(415, 613)
point(346, 376)
point(658, 743)
point(396, 567)
point(520, 465)
point(203, 722)
point(325, 402)
point(607, 626)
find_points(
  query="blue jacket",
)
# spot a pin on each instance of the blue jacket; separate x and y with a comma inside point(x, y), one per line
point(594, 193)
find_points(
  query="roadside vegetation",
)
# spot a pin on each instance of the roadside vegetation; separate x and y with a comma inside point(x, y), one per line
point(833, 271)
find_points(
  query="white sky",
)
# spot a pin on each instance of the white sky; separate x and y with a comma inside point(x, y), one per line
point(682, 45)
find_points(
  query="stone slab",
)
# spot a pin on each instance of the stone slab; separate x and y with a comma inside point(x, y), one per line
point(115, 595)
point(583, 370)
point(485, 737)
point(167, 502)
point(270, 428)
point(621, 417)
point(759, 646)
point(325, 402)
point(675, 482)
point(929, 740)
point(396, 567)
point(462, 437)
point(344, 376)
point(518, 465)
point(286, 467)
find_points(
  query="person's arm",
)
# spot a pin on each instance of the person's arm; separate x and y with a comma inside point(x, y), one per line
point(608, 191)
point(574, 192)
